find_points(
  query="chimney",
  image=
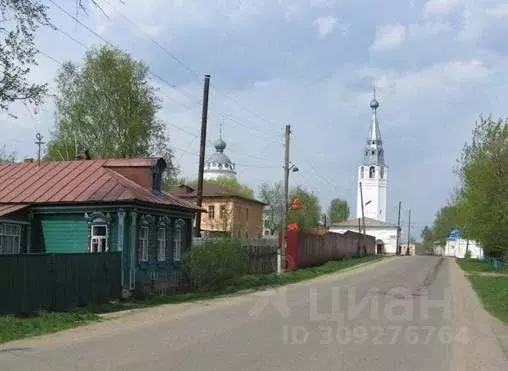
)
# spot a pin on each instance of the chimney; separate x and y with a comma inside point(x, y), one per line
point(83, 156)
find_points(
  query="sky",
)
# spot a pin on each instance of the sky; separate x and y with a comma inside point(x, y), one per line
point(437, 65)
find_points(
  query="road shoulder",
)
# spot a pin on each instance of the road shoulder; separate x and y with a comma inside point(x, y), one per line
point(482, 349)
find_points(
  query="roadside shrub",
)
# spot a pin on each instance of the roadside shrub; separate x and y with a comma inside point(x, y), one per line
point(467, 255)
point(215, 264)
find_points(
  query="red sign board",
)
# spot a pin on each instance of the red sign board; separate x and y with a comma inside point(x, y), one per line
point(292, 227)
point(296, 205)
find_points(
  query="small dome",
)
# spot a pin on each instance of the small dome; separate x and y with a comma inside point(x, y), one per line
point(220, 145)
point(374, 104)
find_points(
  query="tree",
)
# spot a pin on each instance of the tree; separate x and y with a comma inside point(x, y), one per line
point(310, 214)
point(273, 196)
point(6, 157)
point(108, 107)
point(20, 20)
point(483, 170)
point(338, 211)
point(447, 218)
point(232, 185)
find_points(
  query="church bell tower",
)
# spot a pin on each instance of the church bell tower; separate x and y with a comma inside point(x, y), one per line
point(372, 173)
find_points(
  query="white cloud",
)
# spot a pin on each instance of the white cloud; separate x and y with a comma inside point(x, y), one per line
point(325, 25)
point(440, 7)
point(421, 31)
point(323, 3)
point(500, 11)
point(389, 37)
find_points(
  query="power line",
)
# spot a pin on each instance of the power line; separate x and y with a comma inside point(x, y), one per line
point(188, 68)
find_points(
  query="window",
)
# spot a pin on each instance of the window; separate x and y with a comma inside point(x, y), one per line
point(211, 212)
point(143, 244)
point(10, 239)
point(178, 240)
point(372, 172)
point(223, 213)
point(99, 238)
point(247, 214)
point(361, 172)
point(161, 244)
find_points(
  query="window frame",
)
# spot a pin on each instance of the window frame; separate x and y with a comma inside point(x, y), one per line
point(178, 240)
point(15, 234)
point(144, 243)
point(161, 243)
point(211, 211)
point(223, 212)
point(98, 237)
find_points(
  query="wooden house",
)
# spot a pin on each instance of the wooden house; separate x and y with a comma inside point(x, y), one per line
point(97, 206)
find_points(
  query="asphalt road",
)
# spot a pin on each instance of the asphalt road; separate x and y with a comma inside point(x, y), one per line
point(404, 313)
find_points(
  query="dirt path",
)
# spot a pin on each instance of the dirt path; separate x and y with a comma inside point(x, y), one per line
point(486, 336)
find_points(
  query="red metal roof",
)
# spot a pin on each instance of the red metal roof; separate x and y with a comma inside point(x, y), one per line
point(81, 181)
point(6, 209)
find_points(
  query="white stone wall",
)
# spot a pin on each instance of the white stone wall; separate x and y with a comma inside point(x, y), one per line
point(458, 247)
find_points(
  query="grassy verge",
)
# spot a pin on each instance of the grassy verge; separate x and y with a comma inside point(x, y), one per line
point(256, 281)
point(474, 265)
point(492, 290)
point(12, 328)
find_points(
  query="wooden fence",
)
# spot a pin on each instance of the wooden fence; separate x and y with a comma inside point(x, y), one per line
point(57, 282)
point(262, 252)
point(308, 248)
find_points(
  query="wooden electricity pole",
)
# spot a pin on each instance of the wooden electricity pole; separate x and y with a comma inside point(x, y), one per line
point(282, 263)
point(408, 232)
point(202, 147)
point(397, 250)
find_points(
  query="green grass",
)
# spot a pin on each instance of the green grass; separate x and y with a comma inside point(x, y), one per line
point(255, 281)
point(12, 328)
point(491, 289)
point(474, 265)
point(493, 292)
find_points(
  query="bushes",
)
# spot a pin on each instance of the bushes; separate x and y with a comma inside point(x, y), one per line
point(215, 264)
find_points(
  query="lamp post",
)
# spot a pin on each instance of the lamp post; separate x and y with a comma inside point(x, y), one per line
point(287, 169)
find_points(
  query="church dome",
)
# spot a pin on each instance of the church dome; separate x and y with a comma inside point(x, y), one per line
point(218, 164)
point(220, 145)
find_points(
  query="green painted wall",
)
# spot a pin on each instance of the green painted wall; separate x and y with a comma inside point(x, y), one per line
point(68, 233)
point(65, 233)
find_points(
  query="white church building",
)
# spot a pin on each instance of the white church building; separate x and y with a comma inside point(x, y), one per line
point(372, 185)
point(218, 164)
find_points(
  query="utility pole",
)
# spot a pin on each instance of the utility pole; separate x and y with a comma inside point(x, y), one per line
point(39, 143)
point(398, 231)
point(363, 213)
point(408, 232)
point(281, 266)
point(202, 147)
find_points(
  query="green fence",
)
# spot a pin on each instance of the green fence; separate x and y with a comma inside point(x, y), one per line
point(57, 282)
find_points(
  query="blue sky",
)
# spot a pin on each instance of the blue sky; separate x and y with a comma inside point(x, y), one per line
point(437, 65)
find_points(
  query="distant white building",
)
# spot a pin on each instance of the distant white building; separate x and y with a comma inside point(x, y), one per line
point(385, 233)
point(457, 247)
point(218, 164)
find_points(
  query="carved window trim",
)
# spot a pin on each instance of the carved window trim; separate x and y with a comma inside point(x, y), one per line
point(178, 239)
point(98, 219)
